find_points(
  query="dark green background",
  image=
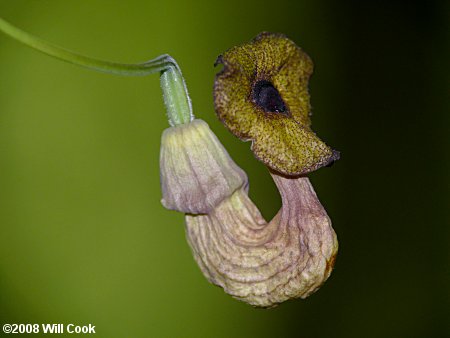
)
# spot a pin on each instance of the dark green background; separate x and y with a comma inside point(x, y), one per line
point(83, 236)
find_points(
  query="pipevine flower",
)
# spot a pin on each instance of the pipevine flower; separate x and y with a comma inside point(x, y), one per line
point(261, 95)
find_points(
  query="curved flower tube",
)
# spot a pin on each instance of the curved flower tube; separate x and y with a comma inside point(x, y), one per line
point(261, 263)
point(266, 263)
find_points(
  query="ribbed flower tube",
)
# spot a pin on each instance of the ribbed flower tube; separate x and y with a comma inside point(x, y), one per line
point(261, 263)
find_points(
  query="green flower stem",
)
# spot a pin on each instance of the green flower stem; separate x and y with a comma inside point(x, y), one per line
point(176, 97)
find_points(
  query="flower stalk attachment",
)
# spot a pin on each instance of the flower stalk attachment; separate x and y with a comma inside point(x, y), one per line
point(176, 97)
point(261, 95)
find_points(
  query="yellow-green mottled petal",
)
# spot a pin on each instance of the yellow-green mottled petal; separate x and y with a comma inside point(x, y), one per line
point(261, 95)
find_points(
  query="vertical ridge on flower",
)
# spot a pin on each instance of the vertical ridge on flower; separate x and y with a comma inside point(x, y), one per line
point(197, 173)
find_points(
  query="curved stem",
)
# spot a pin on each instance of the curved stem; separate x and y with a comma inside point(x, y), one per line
point(176, 97)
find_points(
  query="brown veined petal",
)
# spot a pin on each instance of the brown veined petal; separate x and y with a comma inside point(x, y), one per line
point(262, 95)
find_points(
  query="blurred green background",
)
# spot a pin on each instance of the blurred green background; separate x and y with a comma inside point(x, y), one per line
point(84, 238)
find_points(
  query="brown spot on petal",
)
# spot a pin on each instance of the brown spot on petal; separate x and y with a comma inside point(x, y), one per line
point(267, 98)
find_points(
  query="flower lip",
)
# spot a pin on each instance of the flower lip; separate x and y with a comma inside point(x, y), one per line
point(261, 95)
